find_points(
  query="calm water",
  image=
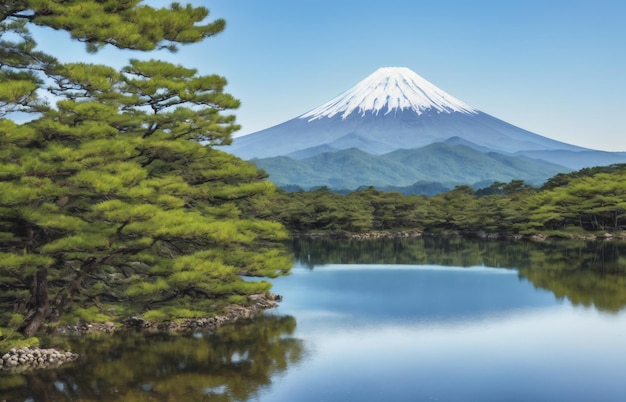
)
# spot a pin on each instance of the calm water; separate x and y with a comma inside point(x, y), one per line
point(413, 320)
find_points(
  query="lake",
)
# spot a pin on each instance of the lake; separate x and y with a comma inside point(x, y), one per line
point(432, 319)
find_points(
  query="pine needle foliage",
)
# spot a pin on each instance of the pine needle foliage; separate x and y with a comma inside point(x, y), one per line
point(114, 201)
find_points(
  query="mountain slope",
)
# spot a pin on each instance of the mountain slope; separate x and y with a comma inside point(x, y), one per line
point(406, 130)
point(397, 109)
point(346, 169)
point(444, 163)
point(400, 130)
point(447, 162)
point(576, 160)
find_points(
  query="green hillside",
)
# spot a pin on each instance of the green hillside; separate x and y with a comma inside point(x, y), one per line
point(445, 163)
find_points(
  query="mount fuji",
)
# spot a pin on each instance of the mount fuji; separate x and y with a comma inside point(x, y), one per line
point(396, 109)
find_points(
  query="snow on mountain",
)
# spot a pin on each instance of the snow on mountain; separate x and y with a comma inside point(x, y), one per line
point(393, 108)
point(370, 133)
point(387, 90)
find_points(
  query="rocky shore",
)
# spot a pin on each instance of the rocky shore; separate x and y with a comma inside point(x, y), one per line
point(482, 235)
point(25, 359)
point(260, 303)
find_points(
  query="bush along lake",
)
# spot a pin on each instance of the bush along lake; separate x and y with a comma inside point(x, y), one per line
point(446, 319)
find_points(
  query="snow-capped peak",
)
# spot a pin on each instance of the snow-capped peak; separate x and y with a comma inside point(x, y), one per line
point(387, 90)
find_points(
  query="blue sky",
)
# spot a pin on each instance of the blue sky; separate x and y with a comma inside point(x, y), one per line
point(554, 67)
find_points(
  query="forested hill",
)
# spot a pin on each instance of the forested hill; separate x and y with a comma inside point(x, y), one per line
point(444, 163)
point(591, 200)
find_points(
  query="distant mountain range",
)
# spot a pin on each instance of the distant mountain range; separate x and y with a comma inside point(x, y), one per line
point(445, 163)
point(395, 129)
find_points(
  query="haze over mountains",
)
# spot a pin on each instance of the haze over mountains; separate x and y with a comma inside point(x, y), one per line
point(395, 129)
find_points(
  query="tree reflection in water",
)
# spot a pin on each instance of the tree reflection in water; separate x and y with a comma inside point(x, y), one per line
point(590, 273)
point(234, 364)
point(240, 361)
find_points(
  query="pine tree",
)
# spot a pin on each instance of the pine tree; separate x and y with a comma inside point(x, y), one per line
point(114, 201)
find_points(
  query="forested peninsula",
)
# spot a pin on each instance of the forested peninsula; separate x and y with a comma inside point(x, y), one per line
point(119, 204)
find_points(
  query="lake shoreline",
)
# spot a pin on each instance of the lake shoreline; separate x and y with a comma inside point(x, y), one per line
point(262, 302)
point(395, 234)
point(259, 303)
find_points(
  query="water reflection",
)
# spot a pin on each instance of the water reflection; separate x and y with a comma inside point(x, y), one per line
point(532, 355)
point(386, 320)
point(429, 330)
point(376, 295)
point(233, 364)
point(589, 273)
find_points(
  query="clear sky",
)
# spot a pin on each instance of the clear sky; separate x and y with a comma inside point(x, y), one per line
point(554, 67)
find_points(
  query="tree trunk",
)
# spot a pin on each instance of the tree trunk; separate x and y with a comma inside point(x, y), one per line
point(41, 310)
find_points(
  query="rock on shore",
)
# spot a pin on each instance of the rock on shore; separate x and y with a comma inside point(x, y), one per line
point(23, 359)
point(260, 302)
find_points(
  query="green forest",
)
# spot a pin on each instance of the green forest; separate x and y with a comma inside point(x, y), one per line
point(586, 203)
point(117, 199)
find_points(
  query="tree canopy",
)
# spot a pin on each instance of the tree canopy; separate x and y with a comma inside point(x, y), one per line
point(590, 201)
point(113, 200)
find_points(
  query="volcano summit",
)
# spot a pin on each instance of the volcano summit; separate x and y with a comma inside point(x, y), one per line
point(395, 109)
point(388, 90)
